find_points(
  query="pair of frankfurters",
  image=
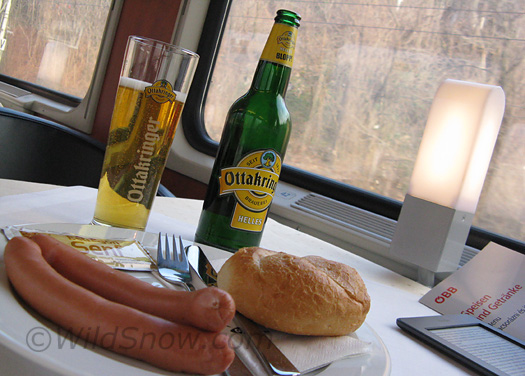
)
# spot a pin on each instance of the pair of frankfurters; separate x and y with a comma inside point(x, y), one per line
point(76, 292)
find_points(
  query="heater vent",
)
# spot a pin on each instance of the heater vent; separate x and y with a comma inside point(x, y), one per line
point(467, 255)
point(347, 216)
point(364, 222)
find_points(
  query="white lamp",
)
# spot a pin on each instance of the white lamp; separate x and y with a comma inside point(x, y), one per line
point(448, 175)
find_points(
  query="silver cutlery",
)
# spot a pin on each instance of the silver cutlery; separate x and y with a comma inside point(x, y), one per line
point(172, 262)
point(272, 359)
point(174, 267)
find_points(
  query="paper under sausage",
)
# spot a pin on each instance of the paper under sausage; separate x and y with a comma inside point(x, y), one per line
point(160, 342)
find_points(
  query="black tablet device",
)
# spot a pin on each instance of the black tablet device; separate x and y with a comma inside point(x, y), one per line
point(479, 346)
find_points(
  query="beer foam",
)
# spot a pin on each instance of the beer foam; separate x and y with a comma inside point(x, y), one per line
point(135, 84)
point(181, 97)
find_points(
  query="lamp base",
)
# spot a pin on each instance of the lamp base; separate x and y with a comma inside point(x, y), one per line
point(430, 236)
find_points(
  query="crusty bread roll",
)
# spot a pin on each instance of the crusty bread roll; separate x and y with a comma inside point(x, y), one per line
point(299, 295)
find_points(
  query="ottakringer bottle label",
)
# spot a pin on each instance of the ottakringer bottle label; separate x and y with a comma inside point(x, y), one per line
point(280, 47)
point(252, 182)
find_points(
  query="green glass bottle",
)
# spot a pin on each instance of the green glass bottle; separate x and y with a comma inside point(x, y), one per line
point(252, 147)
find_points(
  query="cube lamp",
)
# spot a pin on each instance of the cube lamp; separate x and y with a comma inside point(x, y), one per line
point(450, 168)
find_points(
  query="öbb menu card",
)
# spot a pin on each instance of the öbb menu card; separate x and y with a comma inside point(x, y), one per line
point(490, 287)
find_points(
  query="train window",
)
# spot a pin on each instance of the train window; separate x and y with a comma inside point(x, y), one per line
point(363, 80)
point(52, 44)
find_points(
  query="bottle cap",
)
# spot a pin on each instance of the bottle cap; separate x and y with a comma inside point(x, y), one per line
point(288, 17)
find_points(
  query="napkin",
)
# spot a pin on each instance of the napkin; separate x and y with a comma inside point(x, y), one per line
point(308, 353)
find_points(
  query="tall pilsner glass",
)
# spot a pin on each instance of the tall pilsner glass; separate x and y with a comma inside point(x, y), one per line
point(154, 83)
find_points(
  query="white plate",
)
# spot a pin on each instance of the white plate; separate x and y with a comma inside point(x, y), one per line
point(33, 343)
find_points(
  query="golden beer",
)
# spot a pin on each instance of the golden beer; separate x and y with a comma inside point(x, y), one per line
point(141, 133)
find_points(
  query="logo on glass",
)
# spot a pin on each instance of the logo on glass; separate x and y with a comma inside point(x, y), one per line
point(161, 92)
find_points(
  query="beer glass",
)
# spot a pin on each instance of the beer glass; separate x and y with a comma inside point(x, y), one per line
point(154, 82)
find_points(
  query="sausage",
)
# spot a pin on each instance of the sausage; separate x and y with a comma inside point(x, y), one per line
point(209, 309)
point(119, 328)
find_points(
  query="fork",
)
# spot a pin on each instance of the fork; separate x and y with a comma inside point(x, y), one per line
point(174, 267)
point(176, 270)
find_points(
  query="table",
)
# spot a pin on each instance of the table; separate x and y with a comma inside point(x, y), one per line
point(392, 295)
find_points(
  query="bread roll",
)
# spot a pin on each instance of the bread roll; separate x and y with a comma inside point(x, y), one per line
point(299, 295)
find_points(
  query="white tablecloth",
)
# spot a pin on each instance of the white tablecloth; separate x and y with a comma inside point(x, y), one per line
point(392, 295)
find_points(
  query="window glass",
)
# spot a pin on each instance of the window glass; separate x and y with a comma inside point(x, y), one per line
point(363, 81)
point(52, 43)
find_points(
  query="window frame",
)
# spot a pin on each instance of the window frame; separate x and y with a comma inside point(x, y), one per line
point(75, 112)
point(56, 96)
point(197, 137)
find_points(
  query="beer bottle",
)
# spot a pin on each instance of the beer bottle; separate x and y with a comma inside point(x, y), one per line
point(252, 147)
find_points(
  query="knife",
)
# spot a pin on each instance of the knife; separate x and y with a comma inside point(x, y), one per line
point(274, 361)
